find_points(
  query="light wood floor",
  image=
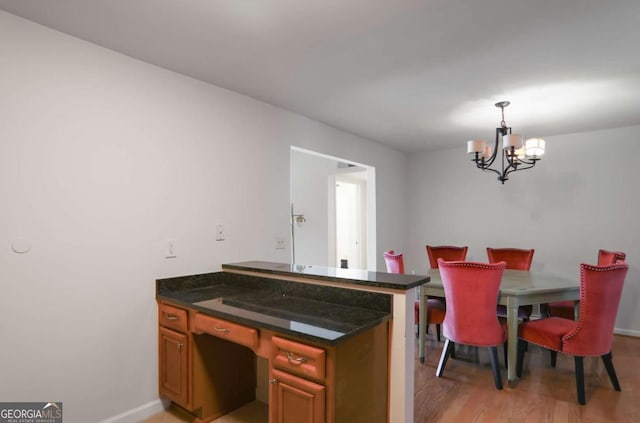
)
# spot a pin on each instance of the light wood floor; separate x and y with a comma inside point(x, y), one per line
point(466, 392)
point(255, 412)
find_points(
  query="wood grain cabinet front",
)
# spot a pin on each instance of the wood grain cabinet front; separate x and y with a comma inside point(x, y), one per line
point(172, 317)
point(174, 369)
point(174, 354)
point(299, 359)
point(348, 381)
point(232, 332)
point(294, 399)
point(208, 366)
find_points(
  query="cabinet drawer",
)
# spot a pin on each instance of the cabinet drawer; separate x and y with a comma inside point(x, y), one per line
point(172, 317)
point(299, 359)
point(226, 330)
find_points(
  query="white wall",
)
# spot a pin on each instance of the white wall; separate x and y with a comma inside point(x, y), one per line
point(583, 196)
point(102, 158)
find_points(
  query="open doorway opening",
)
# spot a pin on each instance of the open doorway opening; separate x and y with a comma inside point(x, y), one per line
point(332, 211)
point(351, 219)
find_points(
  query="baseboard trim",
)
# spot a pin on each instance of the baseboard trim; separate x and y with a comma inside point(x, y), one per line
point(627, 332)
point(137, 414)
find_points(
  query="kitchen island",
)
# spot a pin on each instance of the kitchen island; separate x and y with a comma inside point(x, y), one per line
point(325, 334)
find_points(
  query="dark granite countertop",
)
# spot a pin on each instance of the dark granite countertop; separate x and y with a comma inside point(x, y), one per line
point(333, 274)
point(318, 313)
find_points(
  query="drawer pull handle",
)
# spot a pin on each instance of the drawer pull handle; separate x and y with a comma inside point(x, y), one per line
point(223, 330)
point(180, 345)
point(172, 317)
point(273, 381)
point(295, 360)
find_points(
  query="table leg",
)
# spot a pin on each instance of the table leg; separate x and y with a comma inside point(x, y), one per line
point(512, 339)
point(422, 324)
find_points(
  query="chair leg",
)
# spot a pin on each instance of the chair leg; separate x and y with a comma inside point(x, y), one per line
point(580, 379)
point(476, 354)
point(438, 332)
point(553, 358)
point(505, 348)
point(608, 364)
point(526, 344)
point(544, 310)
point(520, 358)
point(453, 350)
point(495, 367)
point(446, 351)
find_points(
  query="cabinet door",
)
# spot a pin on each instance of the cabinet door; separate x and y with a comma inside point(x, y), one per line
point(174, 370)
point(295, 400)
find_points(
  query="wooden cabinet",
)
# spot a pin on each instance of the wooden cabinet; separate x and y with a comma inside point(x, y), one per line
point(297, 385)
point(174, 354)
point(208, 366)
point(347, 382)
point(174, 368)
point(293, 399)
point(206, 375)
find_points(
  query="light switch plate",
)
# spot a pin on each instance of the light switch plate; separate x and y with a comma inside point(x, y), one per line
point(219, 233)
point(171, 248)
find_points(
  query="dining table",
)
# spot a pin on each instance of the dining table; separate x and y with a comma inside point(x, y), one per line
point(517, 288)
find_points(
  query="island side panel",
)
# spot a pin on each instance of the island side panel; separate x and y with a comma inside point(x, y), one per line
point(401, 364)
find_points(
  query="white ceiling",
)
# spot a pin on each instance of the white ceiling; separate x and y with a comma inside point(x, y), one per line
point(415, 75)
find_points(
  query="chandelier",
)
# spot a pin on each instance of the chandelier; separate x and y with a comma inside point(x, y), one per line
point(514, 154)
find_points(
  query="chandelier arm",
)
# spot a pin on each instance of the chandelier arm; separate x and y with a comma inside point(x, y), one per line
point(497, 172)
point(483, 165)
point(494, 154)
point(522, 168)
point(511, 166)
point(531, 162)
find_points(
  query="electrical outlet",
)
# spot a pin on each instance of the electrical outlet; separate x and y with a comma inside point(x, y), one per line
point(279, 243)
point(219, 233)
point(171, 248)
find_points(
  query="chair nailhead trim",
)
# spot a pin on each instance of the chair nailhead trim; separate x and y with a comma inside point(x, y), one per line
point(476, 265)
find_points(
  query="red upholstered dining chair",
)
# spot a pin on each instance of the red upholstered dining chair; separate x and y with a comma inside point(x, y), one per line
point(447, 253)
point(516, 259)
point(592, 334)
point(395, 262)
point(472, 286)
point(610, 257)
point(435, 308)
point(566, 309)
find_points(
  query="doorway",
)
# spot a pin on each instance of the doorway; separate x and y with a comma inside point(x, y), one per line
point(332, 211)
